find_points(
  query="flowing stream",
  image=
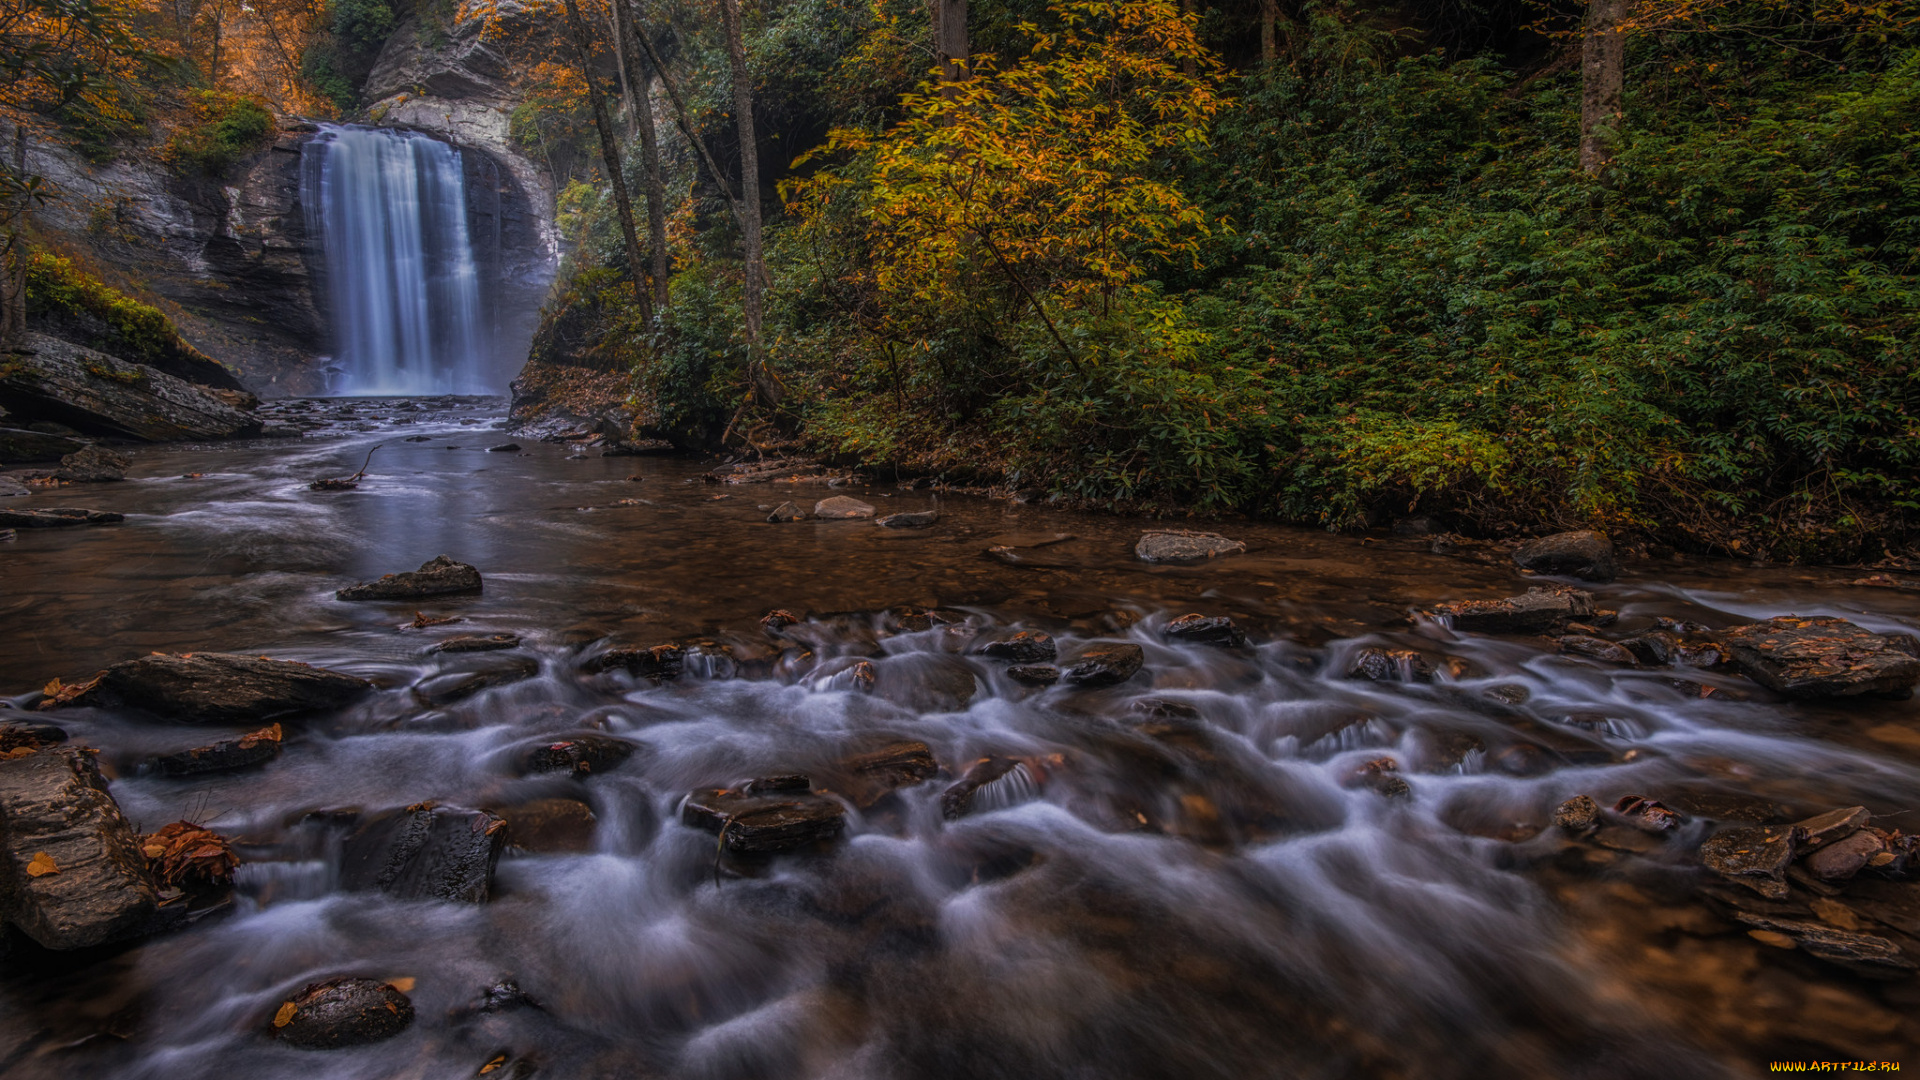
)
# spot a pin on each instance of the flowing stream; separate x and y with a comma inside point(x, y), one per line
point(1189, 875)
point(390, 210)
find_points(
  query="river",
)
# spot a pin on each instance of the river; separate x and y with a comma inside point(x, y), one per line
point(1192, 874)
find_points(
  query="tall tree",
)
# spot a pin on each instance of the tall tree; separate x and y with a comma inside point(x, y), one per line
point(610, 156)
point(950, 43)
point(1269, 15)
point(640, 84)
point(766, 387)
point(1603, 76)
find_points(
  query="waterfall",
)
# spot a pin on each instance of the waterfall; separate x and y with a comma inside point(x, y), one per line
point(390, 211)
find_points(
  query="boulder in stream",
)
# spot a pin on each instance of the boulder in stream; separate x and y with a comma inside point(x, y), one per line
point(1824, 658)
point(342, 1012)
point(1544, 609)
point(867, 777)
point(73, 871)
point(787, 511)
point(253, 748)
point(219, 688)
point(464, 643)
point(91, 465)
point(765, 816)
point(912, 519)
point(544, 826)
point(1754, 856)
point(841, 508)
point(1390, 666)
point(1034, 674)
point(1184, 545)
point(1585, 554)
point(438, 576)
point(1199, 629)
point(100, 395)
point(580, 755)
point(1024, 647)
point(448, 687)
point(425, 852)
point(1105, 664)
point(56, 517)
point(655, 662)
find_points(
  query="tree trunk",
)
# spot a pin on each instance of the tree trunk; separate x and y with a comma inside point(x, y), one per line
point(1269, 15)
point(1603, 74)
point(13, 255)
point(765, 386)
point(610, 156)
point(1188, 66)
point(629, 94)
point(640, 80)
point(950, 43)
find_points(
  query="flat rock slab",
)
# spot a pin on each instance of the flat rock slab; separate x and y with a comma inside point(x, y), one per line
point(439, 576)
point(221, 688)
point(653, 662)
point(245, 752)
point(1204, 630)
point(872, 775)
point(841, 508)
point(916, 519)
point(19, 446)
point(451, 686)
point(1034, 674)
point(74, 870)
point(1105, 664)
point(462, 643)
point(545, 826)
point(1543, 609)
point(1824, 658)
point(96, 393)
point(56, 517)
point(1184, 545)
point(1585, 555)
point(1754, 856)
point(1025, 647)
point(342, 1012)
point(425, 853)
point(765, 816)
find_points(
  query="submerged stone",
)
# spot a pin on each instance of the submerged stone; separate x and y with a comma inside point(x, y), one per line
point(460, 643)
point(787, 511)
point(342, 1012)
point(765, 818)
point(425, 853)
point(56, 517)
point(1025, 647)
point(841, 508)
point(1184, 545)
point(916, 519)
point(1390, 665)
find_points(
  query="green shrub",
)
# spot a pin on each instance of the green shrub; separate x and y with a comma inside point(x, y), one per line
point(64, 299)
point(224, 128)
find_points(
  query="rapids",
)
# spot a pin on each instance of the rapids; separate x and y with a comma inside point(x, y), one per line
point(1189, 878)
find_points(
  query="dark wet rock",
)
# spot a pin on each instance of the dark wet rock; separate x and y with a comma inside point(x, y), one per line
point(504, 448)
point(1507, 694)
point(915, 519)
point(342, 1012)
point(1034, 674)
point(1824, 657)
point(656, 662)
point(874, 774)
point(463, 643)
point(547, 826)
point(228, 755)
point(1754, 856)
point(1184, 545)
point(1585, 554)
point(987, 782)
point(71, 865)
point(92, 465)
point(439, 576)
point(451, 686)
point(1390, 665)
point(1843, 858)
point(907, 619)
point(100, 395)
point(1380, 777)
point(425, 853)
point(1833, 825)
point(11, 489)
point(925, 682)
point(1594, 648)
point(841, 508)
point(1844, 947)
point(418, 438)
point(220, 688)
point(1577, 814)
point(1656, 649)
point(1648, 815)
point(765, 820)
point(1203, 630)
point(1025, 647)
point(19, 446)
point(1105, 664)
point(778, 619)
point(787, 511)
point(580, 755)
point(55, 517)
point(1543, 609)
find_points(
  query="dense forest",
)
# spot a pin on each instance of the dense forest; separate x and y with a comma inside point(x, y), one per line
point(1648, 265)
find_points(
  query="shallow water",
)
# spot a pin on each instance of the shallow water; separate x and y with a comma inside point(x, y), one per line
point(1188, 877)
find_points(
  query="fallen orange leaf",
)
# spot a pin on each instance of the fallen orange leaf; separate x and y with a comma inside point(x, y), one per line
point(285, 1015)
point(402, 984)
point(41, 865)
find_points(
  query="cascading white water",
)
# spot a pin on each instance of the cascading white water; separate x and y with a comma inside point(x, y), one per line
point(390, 209)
